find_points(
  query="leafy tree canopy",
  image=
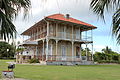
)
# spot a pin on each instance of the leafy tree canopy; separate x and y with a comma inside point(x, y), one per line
point(6, 50)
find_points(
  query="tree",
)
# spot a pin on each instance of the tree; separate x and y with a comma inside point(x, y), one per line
point(99, 56)
point(20, 50)
point(6, 50)
point(107, 55)
point(8, 10)
point(101, 6)
point(84, 52)
point(106, 50)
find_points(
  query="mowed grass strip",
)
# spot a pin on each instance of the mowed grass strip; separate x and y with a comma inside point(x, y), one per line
point(90, 72)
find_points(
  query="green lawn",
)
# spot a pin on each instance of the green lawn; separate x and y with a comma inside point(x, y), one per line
point(94, 72)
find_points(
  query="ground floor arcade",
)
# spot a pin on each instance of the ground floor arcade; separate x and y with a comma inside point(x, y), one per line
point(52, 50)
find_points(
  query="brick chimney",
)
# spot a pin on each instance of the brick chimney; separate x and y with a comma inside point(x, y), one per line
point(67, 16)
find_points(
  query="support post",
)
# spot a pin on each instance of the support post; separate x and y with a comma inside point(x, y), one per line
point(80, 34)
point(92, 43)
point(47, 29)
point(80, 53)
point(43, 51)
point(32, 35)
point(37, 33)
point(56, 48)
point(86, 53)
point(72, 51)
point(56, 30)
point(36, 52)
point(92, 52)
point(47, 41)
point(72, 33)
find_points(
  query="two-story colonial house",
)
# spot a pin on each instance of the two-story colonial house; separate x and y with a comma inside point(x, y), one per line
point(57, 39)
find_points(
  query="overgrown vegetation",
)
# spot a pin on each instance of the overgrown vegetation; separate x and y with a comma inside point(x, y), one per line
point(107, 56)
point(7, 51)
point(33, 60)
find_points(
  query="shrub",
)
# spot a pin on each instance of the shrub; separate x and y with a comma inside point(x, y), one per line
point(33, 60)
point(109, 61)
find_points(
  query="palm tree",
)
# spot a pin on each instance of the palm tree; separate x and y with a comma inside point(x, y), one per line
point(9, 10)
point(101, 6)
point(107, 50)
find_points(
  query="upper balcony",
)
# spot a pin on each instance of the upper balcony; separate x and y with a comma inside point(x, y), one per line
point(62, 36)
point(70, 36)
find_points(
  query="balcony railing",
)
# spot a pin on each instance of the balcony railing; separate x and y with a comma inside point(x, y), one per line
point(64, 58)
point(62, 35)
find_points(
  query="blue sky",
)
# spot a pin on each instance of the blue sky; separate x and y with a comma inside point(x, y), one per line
point(78, 9)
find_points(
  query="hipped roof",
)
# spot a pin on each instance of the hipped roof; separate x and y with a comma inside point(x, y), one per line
point(60, 17)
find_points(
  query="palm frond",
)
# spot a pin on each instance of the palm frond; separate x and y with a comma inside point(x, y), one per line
point(8, 10)
point(101, 6)
point(116, 25)
point(7, 28)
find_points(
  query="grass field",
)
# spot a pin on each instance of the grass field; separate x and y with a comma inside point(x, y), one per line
point(92, 72)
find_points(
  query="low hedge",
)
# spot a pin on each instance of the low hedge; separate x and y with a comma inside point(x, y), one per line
point(33, 60)
point(109, 61)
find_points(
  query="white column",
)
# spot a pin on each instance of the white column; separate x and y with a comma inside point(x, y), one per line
point(36, 52)
point(37, 32)
point(80, 53)
point(56, 30)
point(47, 41)
point(80, 34)
point(56, 48)
point(43, 51)
point(92, 43)
point(72, 51)
point(72, 33)
point(86, 52)
point(47, 29)
point(32, 35)
point(92, 53)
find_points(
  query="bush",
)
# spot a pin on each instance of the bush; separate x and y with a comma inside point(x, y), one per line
point(33, 60)
point(109, 61)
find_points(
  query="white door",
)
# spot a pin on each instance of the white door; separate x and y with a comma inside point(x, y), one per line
point(63, 50)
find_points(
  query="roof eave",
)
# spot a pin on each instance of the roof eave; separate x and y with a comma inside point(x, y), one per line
point(51, 19)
